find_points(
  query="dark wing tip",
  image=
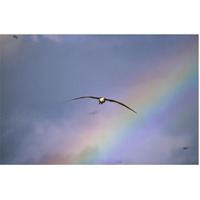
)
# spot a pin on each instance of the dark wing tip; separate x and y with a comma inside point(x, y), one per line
point(82, 98)
point(131, 109)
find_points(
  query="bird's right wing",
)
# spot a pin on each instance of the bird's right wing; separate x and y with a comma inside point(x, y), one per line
point(83, 98)
point(111, 100)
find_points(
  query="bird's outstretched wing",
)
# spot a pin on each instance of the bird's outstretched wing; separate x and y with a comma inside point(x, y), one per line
point(120, 104)
point(82, 98)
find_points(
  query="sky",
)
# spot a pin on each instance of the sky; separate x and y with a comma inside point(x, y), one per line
point(155, 75)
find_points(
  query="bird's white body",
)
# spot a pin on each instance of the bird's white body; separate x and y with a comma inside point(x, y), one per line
point(101, 100)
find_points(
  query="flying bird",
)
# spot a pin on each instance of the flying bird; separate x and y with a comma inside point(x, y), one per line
point(15, 36)
point(185, 148)
point(102, 100)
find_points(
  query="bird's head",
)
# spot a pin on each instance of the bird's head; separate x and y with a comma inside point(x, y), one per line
point(101, 100)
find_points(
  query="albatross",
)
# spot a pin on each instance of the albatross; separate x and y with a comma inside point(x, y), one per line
point(102, 100)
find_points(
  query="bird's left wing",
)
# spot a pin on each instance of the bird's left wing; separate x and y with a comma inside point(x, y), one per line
point(82, 98)
point(111, 100)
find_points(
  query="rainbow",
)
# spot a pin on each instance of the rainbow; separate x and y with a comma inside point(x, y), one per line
point(154, 96)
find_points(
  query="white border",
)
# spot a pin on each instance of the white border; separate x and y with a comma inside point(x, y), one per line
point(99, 182)
point(99, 17)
